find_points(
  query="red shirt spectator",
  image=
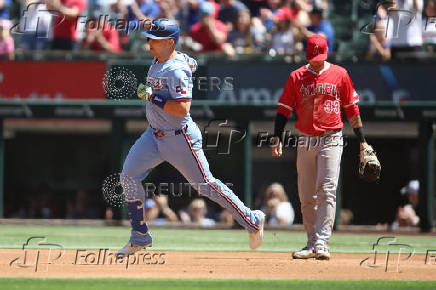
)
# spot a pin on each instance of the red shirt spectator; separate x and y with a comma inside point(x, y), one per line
point(102, 39)
point(209, 32)
point(65, 24)
point(67, 27)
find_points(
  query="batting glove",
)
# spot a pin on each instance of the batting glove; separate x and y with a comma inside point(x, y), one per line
point(145, 92)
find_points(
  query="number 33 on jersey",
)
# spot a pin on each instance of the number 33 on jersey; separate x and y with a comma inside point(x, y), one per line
point(317, 98)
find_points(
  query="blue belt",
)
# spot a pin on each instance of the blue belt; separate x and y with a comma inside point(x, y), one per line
point(161, 133)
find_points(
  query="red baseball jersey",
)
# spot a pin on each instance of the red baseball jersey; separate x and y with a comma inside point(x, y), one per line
point(317, 98)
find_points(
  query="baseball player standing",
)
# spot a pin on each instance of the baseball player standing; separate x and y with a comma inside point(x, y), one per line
point(173, 137)
point(316, 92)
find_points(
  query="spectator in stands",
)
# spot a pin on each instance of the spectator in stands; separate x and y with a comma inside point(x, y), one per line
point(244, 38)
point(226, 217)
point(189, 12)
point(300, 12)
point(323, 4)
point(229, 11)
point(273, 8)
point(101, 37)
point(103, 7)
point(197, 214)
point(35, 25)
point(167, 9)
point(42, 202)
point(139, 11)
point(158, 210)
point(259, 34)
point(380, 37)
point(65, 34)
point(408, 203)
point(4, 9)
point(429, 26)
point(6, 41)
point(267, 13)
point(77, 208)
point(319, 25)
point(408, 43)
point(254, 6)
point(346, 216)
point(277, 208)
point(282, 41)
point(209, 32)
point(142, 9)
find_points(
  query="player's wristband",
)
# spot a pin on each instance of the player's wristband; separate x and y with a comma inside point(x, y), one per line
point(279, 125)
point(359, 134)
point(159, 101)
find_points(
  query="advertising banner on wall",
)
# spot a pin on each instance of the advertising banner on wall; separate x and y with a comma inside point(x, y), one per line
point(52, 80)
point(258, 82)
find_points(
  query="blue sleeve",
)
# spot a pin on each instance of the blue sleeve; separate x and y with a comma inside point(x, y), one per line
point(179, 85)
point(240, 6)
point(330, 34)
point(155, 10)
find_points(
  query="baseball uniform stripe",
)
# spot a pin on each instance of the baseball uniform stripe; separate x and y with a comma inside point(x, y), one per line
point(200, 166)
point(355, 102)
point(286, 106)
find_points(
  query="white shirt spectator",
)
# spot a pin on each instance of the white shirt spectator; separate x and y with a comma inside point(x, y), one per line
point(411, 34)
point(284, 212)
point(36, 19)
point(429, 30)
point(283, 42)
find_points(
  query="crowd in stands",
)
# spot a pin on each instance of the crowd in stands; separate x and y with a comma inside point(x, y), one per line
point(276, 206)
point(412, 40)
point(208, 26)
point(195, 211)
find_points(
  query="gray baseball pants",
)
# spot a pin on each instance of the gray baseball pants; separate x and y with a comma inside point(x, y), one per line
point(318, 166)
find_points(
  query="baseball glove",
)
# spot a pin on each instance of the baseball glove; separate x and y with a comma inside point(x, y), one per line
point(145, 92)
point(369, 167)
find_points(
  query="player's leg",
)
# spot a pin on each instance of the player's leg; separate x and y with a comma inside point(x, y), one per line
point(329, 160)
point(189, 159)
point(142, 158)
point(307, 170)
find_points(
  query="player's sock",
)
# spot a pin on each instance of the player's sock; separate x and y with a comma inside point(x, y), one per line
point(136, 212)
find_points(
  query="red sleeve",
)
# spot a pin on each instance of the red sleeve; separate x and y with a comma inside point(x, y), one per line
point(287, 99)
point(194, 31)
point(81, 4)
point(349, 97)
point(222, 27)
point(114, 39)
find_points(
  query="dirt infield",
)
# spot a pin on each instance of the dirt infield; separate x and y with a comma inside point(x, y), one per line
point(216, 265)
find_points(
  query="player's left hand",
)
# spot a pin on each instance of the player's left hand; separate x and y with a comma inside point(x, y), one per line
point(145, 92)
point(276, 149)
point(369, 165)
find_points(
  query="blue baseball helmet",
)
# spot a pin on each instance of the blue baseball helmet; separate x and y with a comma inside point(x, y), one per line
point(163, 28)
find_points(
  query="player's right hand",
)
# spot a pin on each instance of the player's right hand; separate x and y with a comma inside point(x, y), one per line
point(145, 92)
point(276, 147)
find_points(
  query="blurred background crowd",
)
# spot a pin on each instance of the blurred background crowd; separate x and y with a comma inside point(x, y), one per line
point(229, 27)
point(233, 29)
point(197, 211)
point(272, 200)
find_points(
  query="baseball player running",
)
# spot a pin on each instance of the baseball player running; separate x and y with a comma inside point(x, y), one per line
point(173, 137)
point(316, 92)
